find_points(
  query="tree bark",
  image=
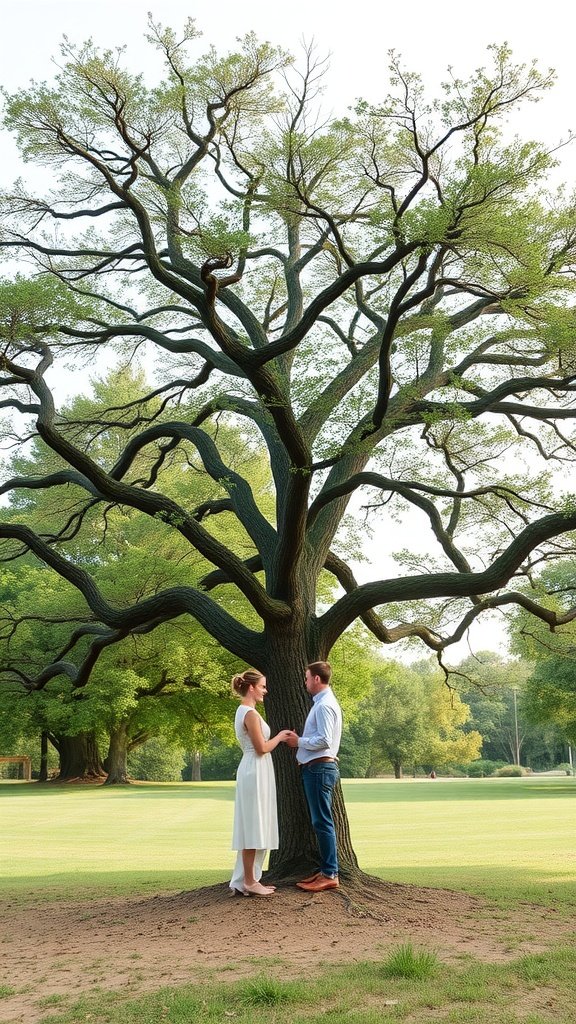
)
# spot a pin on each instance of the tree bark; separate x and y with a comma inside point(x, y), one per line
point(79, 758)
point(196, 766)
point(43, 775)
point(287, 706)
point(397, 769)
point(117, 756)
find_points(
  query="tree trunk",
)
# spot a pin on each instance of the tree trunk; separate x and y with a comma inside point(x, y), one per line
point(196, 766)
point(287, 706)
point(43, 775)
point(397, 769)
point(116, 758)
point(79, 758)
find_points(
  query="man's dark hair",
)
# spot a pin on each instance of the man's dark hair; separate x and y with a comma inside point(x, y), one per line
point(322, 669)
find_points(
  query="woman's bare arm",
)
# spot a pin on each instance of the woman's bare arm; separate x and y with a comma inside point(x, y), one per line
point(253, 727)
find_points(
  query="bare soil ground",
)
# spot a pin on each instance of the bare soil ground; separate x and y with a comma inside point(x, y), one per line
point(138, 945)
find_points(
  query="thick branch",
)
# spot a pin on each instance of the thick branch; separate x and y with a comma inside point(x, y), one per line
point(433, 585)
point(161, 607)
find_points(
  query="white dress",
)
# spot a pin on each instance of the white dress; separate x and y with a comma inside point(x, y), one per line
point(255, 815)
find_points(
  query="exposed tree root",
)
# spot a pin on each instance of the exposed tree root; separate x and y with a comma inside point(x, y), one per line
point(357, 909)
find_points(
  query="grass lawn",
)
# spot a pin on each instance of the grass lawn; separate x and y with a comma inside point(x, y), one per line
point(509, 839)
point(502, 838)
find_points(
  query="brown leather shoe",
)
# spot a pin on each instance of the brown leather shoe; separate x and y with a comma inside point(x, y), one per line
point(319, 884)
point(311, 878)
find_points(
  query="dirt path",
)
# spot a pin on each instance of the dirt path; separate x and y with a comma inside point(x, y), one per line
point(137, 945)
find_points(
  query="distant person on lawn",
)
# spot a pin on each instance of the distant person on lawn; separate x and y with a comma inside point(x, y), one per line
point(255, 816)
point(317, 755)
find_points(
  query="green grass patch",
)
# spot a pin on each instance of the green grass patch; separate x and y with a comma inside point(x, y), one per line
point(406, 962)
point(87, 841)
point(507, 839)
point(468, 993)
point(267, 991)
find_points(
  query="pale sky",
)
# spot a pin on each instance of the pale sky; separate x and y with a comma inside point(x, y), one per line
point(430, 37)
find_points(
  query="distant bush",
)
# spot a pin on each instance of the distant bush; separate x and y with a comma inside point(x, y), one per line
point(565, 767)
point(511, 771)
point(219, 763)
point(484, 768)
point(157, 760)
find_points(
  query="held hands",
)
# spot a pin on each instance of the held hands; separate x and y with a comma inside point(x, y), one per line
point(285, 735)
point(288, 736)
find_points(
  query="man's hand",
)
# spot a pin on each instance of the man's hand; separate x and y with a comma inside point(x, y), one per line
point(292, 739)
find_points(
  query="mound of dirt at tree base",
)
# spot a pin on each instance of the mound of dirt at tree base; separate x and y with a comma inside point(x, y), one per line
point(138, 945)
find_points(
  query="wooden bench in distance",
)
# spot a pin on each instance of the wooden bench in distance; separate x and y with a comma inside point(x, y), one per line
point(24, 761)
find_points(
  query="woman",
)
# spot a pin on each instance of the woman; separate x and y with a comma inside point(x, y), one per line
point(255, 819)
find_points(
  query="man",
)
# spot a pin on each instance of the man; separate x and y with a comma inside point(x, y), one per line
point(317, 755)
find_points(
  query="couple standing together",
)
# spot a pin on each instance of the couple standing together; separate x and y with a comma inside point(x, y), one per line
point(255, 816)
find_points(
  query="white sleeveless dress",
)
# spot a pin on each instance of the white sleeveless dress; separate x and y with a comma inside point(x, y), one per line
point(255, 814)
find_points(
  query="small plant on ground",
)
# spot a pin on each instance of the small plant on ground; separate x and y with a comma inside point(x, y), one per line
point(269, 992)
point(405, 962)
point(53, 1000)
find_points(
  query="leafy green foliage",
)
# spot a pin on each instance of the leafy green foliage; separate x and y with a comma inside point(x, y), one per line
point(549, 697)
point(411, 719)
point(157, 761)
point(36, 306)
point(172, 682)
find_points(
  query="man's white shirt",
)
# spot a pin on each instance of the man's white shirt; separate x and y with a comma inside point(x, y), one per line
point(322, 729)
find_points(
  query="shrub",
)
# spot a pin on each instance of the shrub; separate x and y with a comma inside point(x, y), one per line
point(510, 771)
point(484, 768)
point(219, 762)
point(157, 760)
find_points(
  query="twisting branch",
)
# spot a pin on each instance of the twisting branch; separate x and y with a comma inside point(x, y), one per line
point(465, 584)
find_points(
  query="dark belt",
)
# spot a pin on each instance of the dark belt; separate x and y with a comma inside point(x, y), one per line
point(319, 760)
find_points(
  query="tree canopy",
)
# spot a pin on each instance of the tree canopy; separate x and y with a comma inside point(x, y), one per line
point(383, 302)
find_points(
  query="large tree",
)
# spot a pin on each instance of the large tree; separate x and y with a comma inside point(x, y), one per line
point(383, 301)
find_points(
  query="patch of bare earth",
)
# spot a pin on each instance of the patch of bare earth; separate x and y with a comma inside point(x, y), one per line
point(138, 945)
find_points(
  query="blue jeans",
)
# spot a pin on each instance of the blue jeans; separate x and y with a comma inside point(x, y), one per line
point(319, 780)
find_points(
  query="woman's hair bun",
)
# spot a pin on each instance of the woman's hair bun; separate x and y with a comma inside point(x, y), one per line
point(242, 681)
